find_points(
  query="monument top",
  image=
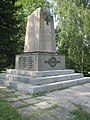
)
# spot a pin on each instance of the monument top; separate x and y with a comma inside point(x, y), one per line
point(40, 34)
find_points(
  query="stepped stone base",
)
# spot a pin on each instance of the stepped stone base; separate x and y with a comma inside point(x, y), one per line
point(41, 81)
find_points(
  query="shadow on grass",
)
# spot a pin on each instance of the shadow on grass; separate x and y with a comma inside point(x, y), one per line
point(80, 114)
point(9, 113)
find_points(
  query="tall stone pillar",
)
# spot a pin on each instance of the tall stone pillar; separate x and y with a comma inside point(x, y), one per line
point(40, 45)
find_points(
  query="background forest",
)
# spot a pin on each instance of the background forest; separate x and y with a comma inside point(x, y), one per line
point(72, 31)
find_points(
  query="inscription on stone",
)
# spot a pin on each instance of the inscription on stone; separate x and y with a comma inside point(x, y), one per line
point(52, 62)
point(30, 62)
point(19, 62)
point(25, 62)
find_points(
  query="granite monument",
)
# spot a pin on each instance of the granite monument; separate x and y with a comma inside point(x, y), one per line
point(40, 45)
point(40, 68)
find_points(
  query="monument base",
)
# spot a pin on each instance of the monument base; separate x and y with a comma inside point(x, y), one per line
point(40, 61)
point(41, 81)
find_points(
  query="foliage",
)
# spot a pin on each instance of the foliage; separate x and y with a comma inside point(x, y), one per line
point(29, 6)
point(80, 114)
point(73, 33)
point(38, 94)
point(13, 15)
point(9, 113)
point(8, 32)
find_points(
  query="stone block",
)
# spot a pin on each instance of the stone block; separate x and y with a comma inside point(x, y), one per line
point(78, 75)
point(18, 104)
point(28, 88)
point(40, 61)
point(61, 114)
point(40, 73)
point(69, 83)
point(31, 101)
point(11, 99)
point(49, 87)
point(40, 34)
point(43, 105)
point(53, 79)
point(44, 116)
point(22, 97)
point(28, 110)
point(84, 80)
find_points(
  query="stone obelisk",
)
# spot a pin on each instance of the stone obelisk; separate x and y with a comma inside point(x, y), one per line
point(40, 34)
point(40, 45)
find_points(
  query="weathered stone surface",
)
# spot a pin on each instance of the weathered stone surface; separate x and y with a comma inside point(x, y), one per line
point(61, 114)
point(80, 100)
point(87, 85)
point(28, 110)
point(71, 97)
point(40, 73)
point(45, 80)
point(44, 98)
point(40, 61)
point(66, 100)
point(67, 105)
point(32, 88)
point(31, 101)
point(40, 35)
point(43, 105)
point(11, 99)
point(44, 116)
point(18, 93)
point(18, 104)
point(86, 107)
point(23, 97)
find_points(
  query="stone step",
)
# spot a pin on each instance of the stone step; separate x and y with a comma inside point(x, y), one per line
point(13, 77)
point(40, 73)
point(46, 87)
point(53, 79)
point(41, 80)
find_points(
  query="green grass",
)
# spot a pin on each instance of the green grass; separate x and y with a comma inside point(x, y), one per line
point(4, 94)
point(38, 94)
point(80, 114)
point(9, 113)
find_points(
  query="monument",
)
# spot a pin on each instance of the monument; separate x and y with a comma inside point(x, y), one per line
point(40, 68)
point(40, 46)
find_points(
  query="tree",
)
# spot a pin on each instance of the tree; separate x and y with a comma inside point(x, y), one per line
point(13, 18)
point(8, 32)
point(74, 37)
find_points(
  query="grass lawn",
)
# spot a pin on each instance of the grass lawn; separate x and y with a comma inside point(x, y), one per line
point(80, 114)
point(9, 113)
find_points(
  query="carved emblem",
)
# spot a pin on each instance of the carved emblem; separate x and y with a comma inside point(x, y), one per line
point(52, 61)
point(47, 19)
point(25, 62)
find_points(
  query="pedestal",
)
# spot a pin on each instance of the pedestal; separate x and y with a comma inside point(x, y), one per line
point(40, 61)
